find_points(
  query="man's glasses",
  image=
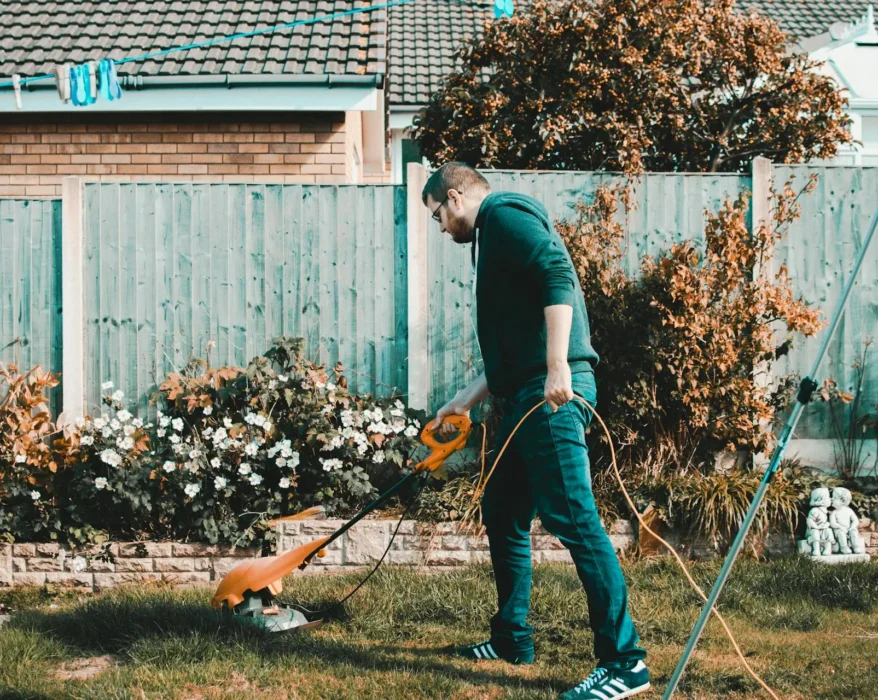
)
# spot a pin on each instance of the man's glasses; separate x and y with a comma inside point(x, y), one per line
point(436, 210)
point(435, 213)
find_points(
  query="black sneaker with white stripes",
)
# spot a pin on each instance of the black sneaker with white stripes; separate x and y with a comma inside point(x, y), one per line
point(485, 651)
point(606, 683)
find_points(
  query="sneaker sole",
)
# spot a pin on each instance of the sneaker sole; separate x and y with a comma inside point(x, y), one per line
point(634, 691)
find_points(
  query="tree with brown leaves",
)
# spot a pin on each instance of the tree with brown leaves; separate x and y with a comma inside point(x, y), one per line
point(632, 85)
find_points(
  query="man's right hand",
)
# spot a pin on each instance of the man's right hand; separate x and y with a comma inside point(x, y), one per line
point(455, 407)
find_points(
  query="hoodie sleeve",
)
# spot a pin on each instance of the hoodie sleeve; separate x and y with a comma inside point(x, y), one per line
point(526, 247)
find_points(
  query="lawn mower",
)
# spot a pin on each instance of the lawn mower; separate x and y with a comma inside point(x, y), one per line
point(248, 591)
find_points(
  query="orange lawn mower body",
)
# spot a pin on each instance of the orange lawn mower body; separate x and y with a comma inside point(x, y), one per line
point(249, 589)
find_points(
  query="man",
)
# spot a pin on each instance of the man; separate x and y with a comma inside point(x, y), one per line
point(534, 336)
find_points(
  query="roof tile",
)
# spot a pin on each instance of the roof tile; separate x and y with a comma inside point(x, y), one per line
point(80, 31)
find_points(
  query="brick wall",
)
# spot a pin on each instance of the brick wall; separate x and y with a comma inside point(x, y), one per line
point(431, 547)
point(37, 152)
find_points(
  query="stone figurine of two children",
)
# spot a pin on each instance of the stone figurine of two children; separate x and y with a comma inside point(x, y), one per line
point(832, 532)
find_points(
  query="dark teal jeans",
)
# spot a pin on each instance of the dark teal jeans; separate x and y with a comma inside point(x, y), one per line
point(545, 472)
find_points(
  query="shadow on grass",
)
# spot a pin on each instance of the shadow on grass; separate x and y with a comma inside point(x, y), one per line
point(159, 630)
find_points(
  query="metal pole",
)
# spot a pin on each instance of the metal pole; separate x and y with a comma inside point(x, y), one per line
point(806, 388)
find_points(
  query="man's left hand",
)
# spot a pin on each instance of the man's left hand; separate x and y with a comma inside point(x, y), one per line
point(559, 386)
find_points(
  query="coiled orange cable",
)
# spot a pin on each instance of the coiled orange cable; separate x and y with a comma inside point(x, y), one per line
point(483, 482)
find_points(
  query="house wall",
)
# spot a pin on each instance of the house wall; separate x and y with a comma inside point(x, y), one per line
point(37, 152)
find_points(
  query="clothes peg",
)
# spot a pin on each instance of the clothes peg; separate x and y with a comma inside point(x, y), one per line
point(92, 91)
point(62, 81)
point(16, 87)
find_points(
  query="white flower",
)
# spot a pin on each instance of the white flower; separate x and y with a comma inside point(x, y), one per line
point(100, 483)
point(169, 466)
point(320, 385)
point(35, 495)
point(220, 482)
point(216, 462)
point(255, 479)
point(259, 420)
point(415, 422)
point(330, 464)
point(281, 377)
point(161, 432)
point(399, 404)
point(284, 483)
point(327, 409)
point(174, 439)
point(79, 564)
point(251, 449)
point(106, 386)
point(347, 418)
point(118, 395)
point(360, 438)
point(208, 410)
point(100, 423)
point(227, 422)
point(194, 454)
point(268, 426)
point(107, 433)
point(207, 432)
point(293, 460)
point(129, 430)
point(165, 421)
point(272, 384)
point(137, 423)
point(281, 462)
point(219, 435)
point(179, 449)
point(378, 457)
point(111, 457)
point(177, 424)
point(88, 440)
point(244, 469)
point(20, 459)
point(126, 443)
point(115, 425)
point(411, 431)
point(124, 416)
point(191, 466)
point(80, 422)
point(362, 447)
point(192, 489)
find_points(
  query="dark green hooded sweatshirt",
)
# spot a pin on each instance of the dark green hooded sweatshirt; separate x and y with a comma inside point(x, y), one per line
point(523, 266)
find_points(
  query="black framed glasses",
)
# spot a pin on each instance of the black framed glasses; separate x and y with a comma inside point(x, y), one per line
point(435, 213)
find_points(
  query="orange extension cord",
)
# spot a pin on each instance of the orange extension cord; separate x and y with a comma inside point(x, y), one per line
point(483, 482)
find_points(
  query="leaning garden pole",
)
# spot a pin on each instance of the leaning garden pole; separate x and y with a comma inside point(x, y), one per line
point(806, 388)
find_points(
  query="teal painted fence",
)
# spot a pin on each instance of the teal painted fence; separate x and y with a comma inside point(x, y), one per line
point(819, 252)
point(30, 285)
point(217, 271)
point(669, 209)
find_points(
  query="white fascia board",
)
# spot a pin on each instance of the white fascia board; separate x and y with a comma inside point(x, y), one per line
point(254, 97)
point(401, 117)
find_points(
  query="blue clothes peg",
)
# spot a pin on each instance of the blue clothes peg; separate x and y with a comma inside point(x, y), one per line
point(77, 88)
point(503, 8)
point(109, 80)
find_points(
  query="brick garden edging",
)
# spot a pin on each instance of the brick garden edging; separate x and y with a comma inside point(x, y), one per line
point(427, 546)
point(431, 546)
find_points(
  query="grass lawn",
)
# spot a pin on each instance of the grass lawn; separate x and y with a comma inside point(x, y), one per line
point(810, 630)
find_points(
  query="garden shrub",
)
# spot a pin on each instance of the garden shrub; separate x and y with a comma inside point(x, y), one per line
point(686, 345)
point(229, 450)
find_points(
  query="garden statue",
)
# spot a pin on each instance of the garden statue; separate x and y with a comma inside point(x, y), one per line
point(844, 523)
point(818, 534)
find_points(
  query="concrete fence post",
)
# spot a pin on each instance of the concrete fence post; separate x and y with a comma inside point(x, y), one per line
point(72, 300)
point(419, 373)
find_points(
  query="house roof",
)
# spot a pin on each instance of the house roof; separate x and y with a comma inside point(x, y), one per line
point(38, 34)
point(424, 37)
point(806, 18)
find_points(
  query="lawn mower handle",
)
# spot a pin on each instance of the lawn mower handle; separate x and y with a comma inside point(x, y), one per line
point(442, 450)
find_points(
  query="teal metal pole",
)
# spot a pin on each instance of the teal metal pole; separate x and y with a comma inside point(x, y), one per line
point(806, 388)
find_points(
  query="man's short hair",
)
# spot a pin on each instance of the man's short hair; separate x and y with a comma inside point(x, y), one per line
point(454, 176)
